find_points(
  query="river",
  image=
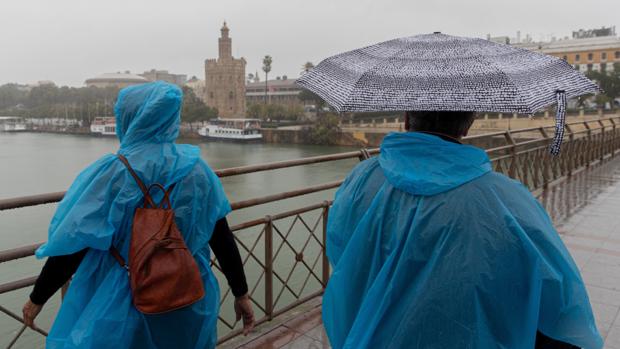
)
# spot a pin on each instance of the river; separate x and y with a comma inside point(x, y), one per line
point(35, 163)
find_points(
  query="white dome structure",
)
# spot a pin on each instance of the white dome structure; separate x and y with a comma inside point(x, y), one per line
point(119, 80)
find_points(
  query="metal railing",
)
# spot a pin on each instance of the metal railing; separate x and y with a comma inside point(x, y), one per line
point(287, 249)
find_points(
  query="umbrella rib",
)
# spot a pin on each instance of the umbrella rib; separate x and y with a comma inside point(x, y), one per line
point(509, 80)
point(373, 69)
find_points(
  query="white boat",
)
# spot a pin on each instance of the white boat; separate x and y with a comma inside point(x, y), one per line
point(12, 124)
point(238, 130)
point(104, 126)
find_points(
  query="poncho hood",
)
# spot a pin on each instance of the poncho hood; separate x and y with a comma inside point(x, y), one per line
point(425, 164)
point(148, 113)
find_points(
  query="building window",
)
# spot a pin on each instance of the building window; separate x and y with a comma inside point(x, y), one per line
point(589, 67)
point(603, 67)
point(617, 54)
point(577, 58)
point(603, 56)
point(590, 56)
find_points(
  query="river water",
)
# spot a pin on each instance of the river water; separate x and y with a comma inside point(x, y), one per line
point(32, 163)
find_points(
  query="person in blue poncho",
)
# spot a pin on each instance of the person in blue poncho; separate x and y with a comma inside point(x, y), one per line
point(431, 248)
point(96, 213)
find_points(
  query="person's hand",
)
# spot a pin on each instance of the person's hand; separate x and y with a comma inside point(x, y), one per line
point(30, 312)
point(243, 309)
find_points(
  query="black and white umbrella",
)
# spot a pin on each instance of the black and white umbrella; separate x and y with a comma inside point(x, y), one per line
point(447, 73)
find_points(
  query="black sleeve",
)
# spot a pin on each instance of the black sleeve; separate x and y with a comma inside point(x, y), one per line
point(55, 273)
point(225, 249)
point(544, 342)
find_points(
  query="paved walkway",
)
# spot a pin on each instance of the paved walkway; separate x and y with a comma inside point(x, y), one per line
point(585, 208)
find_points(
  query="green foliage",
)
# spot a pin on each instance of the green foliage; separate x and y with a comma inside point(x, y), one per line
point(609, 82)
point(267, 64)
point(194, 109)
point(309, 97)
point(306, 67)
point(84, 103)
point(274, 112)
point(325, 130)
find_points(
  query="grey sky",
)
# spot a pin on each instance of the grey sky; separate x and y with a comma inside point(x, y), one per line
point(68, 41)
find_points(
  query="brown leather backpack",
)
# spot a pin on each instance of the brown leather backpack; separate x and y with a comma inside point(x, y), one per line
point(163, 274)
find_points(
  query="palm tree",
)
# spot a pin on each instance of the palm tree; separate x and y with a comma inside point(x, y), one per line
point(266, 68)
point(306, 67)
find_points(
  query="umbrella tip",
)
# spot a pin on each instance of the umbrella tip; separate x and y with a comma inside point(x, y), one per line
point(436, 32)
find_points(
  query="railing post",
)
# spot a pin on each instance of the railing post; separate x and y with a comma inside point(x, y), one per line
point(571, 156)
point(602, 151)
point(546, 165)
point(269, 267)
point(325, 274)
point(613, 136)
point(589, 144)
point(513, 152)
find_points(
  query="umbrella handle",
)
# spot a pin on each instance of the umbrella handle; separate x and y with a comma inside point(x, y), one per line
point(560, 121)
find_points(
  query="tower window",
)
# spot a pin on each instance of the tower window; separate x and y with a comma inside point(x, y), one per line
point(211, 95)
point(230, 95)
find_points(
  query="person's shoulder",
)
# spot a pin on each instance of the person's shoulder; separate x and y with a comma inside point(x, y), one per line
point(497, 186)
point(201, 171)
point(493, 180)
point(366, 166)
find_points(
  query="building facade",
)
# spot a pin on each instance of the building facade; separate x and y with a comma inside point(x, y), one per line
point(587, 50)
point(281, 91)
point(164, 75)
point(225, 80)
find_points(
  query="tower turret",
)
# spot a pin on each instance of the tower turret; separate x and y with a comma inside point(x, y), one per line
point(225, 44)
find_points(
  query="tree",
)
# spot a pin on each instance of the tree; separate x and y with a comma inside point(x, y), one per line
point(609, 83)
point(273, 112)
point(194, 109)
point(250, 78)
point(306, 67)
point(325, 130)
point(309, 97)
point(266, 68)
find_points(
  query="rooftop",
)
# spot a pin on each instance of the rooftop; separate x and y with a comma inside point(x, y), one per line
point(574, 45)
point(117, 77)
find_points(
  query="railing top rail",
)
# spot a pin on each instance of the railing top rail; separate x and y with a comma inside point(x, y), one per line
point(32, 200)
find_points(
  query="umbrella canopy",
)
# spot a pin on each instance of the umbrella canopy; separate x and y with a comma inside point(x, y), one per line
point(446, 73)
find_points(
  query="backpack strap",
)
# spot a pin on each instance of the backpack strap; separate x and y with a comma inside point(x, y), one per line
point(147, 197)
point(117, 255)
point(145, 191)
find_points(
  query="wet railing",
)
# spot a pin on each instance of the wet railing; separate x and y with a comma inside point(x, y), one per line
point(287, 249)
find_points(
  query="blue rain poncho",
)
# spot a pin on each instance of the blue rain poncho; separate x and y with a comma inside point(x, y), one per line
point(97, 211)
point(432, 249)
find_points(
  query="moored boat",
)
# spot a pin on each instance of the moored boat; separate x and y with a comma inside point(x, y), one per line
point(12, 124)
point(104, 126)
point(236, 130)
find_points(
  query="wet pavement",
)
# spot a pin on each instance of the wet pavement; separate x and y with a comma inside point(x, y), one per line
point(585, 209)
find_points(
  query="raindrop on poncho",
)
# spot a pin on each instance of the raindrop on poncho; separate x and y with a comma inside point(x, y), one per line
point(432, 249)
point(97, 211)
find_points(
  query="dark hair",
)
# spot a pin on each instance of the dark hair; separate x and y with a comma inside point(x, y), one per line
point(451, 123)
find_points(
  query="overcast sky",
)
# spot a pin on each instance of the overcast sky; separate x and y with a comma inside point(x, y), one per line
point(68, 41)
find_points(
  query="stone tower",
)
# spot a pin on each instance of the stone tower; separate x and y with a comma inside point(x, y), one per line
point(225, 80)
